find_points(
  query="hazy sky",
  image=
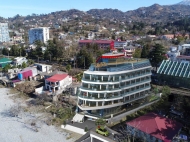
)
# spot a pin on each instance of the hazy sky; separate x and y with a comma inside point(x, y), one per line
point(9, 8)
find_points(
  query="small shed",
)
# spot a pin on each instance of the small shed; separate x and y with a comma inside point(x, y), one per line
point(27, 72)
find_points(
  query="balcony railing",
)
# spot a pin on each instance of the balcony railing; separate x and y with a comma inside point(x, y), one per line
point(114, 96)
point(116, 80)
point(116, 88)
point(109, 105)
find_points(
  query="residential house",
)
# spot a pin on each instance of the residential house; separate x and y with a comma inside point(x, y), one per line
point(56, 26)
point(58, 82)
point(129, 50)
point(184, 49)
point(168, 37)
point(43, 67)
point(19, 61)
point(12, 73)
point(154, 128)
point(27, 73)
point(173, 53)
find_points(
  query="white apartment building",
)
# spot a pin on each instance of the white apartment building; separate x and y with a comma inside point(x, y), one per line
point(112, 83)
point(41, 33)
point(4, 32)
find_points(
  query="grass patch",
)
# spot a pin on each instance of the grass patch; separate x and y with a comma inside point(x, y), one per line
point(153, 98)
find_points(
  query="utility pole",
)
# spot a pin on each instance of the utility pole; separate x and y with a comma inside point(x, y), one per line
point(38, 59)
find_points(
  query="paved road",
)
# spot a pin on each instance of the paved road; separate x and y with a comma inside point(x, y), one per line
point(119, 117)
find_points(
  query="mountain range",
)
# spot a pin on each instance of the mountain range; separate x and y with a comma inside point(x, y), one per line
point(184, 2)
point(152, 14)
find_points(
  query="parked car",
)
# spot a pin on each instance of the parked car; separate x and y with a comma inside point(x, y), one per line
point(102, 131)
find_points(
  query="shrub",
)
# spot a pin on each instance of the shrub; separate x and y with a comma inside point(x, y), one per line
point(85, 129)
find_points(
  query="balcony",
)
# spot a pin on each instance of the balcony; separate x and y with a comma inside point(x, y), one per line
point(111, 81)
point(116, 89)
point(113, 97)
point(109, 105)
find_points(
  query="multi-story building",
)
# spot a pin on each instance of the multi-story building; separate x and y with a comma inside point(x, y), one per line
point(120, 44)
point(129, 50)
point(4, 32)
point(112, 83)
point(41, 33)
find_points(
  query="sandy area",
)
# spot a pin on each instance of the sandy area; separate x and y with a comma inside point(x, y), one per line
point(19, 129)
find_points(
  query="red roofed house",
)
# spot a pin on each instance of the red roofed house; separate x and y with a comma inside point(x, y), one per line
point(154, 127)
point(57, 82)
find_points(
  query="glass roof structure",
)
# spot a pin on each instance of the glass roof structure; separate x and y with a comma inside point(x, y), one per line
point(174, 68)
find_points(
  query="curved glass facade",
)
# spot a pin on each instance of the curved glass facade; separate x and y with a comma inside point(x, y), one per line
point(103, 93)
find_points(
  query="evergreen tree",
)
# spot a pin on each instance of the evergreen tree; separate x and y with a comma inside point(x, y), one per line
point(145, 51)
point(84, 58)
point(157, 55)
point(137, 53)
point(5, 51)
point(23, 51)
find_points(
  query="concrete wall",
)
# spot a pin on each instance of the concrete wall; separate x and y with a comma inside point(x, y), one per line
point(73, 129)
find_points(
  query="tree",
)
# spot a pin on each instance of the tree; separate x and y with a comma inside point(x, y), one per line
point(23, 51)
point(145, 51)
point(68, 68)
point(5, 51)
point(100, 121)
point(30, 61)
point(6, 68)
point(113, 37)
point(84, 58)
point(24, 65)
point(157, 55)
point(137, 53)
point(39, 52)
point(46, 55)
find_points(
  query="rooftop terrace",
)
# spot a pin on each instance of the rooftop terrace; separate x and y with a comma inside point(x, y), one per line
point(119, 64)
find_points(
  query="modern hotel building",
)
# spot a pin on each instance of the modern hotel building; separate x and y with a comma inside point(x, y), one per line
point(113, 83)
